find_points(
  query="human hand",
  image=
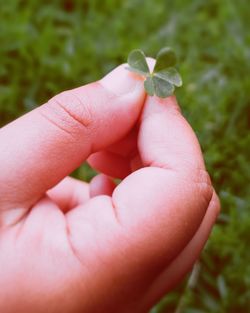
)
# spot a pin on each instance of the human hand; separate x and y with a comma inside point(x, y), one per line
point(66, 246)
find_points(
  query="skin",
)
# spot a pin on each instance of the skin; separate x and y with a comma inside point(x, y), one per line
point(69, 246)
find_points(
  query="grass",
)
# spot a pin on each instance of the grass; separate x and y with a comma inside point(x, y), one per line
point(47, 47)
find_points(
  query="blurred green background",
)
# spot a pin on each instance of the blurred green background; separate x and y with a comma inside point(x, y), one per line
point(47, 47)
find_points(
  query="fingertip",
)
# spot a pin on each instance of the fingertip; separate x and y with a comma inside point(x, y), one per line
point(121, 81)
point(101, 185)
point(110, 164)
point(159, 105)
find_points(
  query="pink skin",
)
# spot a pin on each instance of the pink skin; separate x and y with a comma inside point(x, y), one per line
point(68, 246)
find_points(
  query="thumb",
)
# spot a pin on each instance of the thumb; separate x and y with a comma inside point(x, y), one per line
point(42, 147)
point(105, 110)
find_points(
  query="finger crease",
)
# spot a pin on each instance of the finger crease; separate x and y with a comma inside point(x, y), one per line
point(79, 121)
point(58, 125)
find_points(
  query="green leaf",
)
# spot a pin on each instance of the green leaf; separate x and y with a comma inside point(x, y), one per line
point(134, 70)
point(162, 87)
point(171, 75)
point(149, 86)
point(137, 61)
point(165, 58)
point(164, 77)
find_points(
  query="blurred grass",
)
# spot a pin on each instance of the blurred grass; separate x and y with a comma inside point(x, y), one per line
point(47, 47)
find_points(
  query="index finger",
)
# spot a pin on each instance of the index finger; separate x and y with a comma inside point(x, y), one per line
point(166, 139)
point(164, 202)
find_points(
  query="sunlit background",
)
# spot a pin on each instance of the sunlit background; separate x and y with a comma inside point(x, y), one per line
point(50, 46)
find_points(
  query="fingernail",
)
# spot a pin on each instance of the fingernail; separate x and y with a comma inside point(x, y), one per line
point(120, 81)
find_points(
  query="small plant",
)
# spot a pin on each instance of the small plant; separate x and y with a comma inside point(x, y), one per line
point(164, 77)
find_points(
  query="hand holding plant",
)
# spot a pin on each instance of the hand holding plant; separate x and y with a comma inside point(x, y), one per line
point(68, 246)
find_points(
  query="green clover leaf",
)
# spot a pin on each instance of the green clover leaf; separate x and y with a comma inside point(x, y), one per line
point(170, 75)
point(164, 77)
point(149, 86)
point(137, 62)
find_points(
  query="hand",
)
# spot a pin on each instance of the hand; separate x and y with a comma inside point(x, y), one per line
point(66, 246)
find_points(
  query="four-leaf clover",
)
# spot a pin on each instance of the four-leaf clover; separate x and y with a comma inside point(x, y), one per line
point(164, 77)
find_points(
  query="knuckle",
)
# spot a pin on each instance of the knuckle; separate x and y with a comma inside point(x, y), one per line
point(74, 111)
point(203, 185)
